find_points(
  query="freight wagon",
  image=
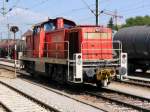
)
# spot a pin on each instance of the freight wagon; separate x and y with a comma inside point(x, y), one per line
point(136, 42)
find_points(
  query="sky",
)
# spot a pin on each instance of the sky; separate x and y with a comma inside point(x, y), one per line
point(26, 13)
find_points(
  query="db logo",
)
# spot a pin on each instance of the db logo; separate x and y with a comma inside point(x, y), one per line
point(124, 61)
point(79, 62)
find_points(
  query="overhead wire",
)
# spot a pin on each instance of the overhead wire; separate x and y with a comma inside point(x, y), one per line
point(88, 6)
point(38, 4)
point(73, 10)
point(136, 9)
point(79, 9)
point(16, 6)
point(86, 18)
point(44, 1)
point(17, 2)
point(133, 7)
point(67, 12)
point(76, 9)
point(132, 4)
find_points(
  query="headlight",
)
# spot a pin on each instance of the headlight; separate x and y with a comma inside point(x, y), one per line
point(122, 70)
point(90, 72)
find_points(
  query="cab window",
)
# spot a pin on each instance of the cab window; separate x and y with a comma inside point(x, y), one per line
point(49, 26)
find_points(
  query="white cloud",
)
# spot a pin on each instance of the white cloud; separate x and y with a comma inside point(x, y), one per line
point(22, 16)
point(26, 15)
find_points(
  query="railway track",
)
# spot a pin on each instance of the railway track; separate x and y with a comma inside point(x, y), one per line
point(144, 82)
point(16, 101)
point(128, 100)
point(12, 84)
point(86, 98)
point(20, 99)
point(109, 98)
point(114, 100)
point(92, 101)
point(4, 108)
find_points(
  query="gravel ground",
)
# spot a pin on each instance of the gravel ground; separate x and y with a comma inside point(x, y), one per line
point(58, 101)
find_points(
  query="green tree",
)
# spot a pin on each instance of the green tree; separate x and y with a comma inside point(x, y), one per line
point(137, 21)
point(110, 23)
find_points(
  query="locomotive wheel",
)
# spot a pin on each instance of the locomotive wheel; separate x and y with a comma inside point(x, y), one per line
point(29, 67)
point(71, 74)
point(49, 71)
point(54, 73)
point(59, 74)
point(32, 74)
point(65, 74)
point(144, 70)
point(70, 77)
point(131, 68)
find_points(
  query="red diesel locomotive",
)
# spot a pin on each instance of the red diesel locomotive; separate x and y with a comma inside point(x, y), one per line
point(65, 52)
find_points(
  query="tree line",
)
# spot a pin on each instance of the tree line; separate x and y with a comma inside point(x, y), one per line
point(133, 21)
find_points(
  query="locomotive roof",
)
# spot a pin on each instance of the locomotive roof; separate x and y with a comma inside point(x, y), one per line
point(53, 20)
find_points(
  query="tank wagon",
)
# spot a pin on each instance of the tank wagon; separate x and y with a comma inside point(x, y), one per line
point(7, 48)
point(65, 52)
point(135, 41)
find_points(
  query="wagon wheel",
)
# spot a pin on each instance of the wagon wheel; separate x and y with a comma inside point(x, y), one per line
point(144, 69)
point(131, 68)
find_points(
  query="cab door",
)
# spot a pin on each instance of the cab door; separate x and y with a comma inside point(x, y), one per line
point(38, 41)
point(36, 37)
point(73, 43)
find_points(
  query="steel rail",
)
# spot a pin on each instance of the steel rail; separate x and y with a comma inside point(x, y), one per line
point(136, 83)
point(120, 101)
point(24, 94)
point(30, 97)
point(5, 107)
point(47, 88)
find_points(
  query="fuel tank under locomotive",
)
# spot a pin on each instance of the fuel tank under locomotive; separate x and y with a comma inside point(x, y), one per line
point(136, 42)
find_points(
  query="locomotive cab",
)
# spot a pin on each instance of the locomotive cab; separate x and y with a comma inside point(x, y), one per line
point(41, 32)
